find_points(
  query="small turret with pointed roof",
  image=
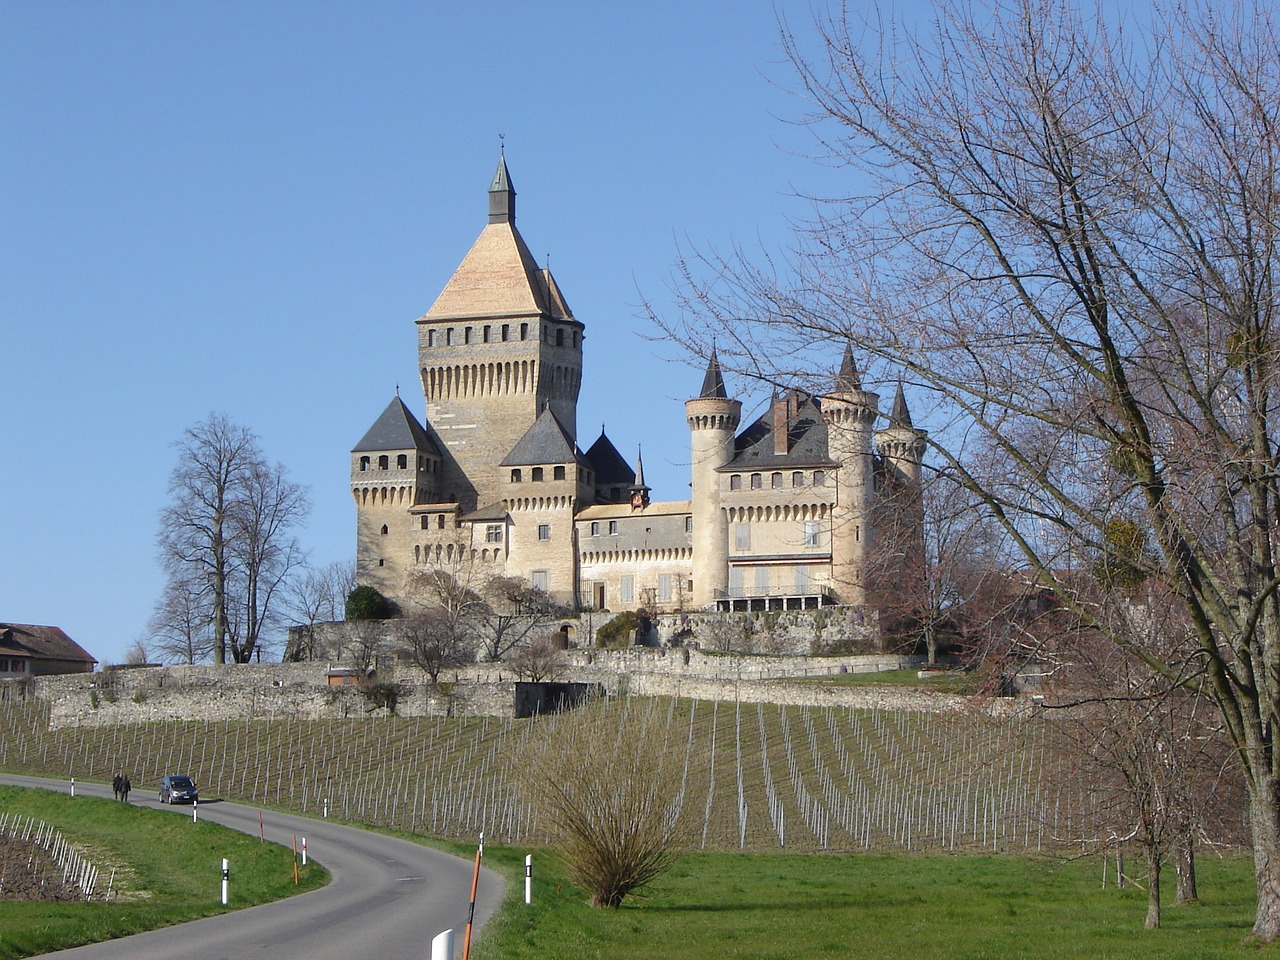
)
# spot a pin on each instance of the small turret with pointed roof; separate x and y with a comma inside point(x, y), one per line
point(900, 444)
point(847, 380)
point(502, 195)
point(639, 490)
point(900, 416)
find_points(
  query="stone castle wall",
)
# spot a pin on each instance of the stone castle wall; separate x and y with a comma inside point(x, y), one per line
point(301, 690)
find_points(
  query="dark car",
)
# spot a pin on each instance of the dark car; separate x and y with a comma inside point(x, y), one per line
point(178, 788)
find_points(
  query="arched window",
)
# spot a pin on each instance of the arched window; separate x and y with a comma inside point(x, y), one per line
point(466, 335)
point(440, 522)
point(506, 332)
point(364, 464)
point(819, 478)
point(524, 331)
point(775, 481)
point(797, 479)
point(559, 338)
point(515, 475)
point(402, 461)
point(537, 474)
point(431, 338)
point(485, 333)
point(448, 337)
point(757, 482)
point(384, 462)
point(559, 473)
point(384, 530)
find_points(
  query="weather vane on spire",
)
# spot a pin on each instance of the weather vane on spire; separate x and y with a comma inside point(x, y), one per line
point(502, 145)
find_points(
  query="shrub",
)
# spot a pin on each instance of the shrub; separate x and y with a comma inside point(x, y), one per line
point(366, 603)
point(615, 632)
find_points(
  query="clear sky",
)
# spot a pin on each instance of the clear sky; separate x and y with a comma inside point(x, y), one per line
point(242, 207)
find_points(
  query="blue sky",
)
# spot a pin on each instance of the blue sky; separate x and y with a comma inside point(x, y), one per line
point(241, 207)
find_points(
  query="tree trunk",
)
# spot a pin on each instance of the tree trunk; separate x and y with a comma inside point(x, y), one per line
point(1184, 866)
point(1153, 886)
point(1264, 821)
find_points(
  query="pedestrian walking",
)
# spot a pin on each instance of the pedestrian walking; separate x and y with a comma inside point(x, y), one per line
point(125, 787)
point(116, 781)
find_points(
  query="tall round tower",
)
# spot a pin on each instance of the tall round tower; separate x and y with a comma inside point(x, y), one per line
point(900, 510)
point(713, 421)
point(849, 411)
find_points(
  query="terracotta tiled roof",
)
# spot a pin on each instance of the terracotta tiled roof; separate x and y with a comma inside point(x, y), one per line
point(41, 643)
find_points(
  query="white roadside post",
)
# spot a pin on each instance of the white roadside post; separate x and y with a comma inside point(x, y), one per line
point(226, 875)
point(73, 786)
point(195, 808)
point(326, 808)
point(528, 878)
point(442, 945)
point(304, 851)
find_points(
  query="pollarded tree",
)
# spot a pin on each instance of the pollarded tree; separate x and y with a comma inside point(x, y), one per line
point(229, 526)
point(1064, 235)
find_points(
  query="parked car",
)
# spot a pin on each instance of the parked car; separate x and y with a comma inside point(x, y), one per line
point(178, 788)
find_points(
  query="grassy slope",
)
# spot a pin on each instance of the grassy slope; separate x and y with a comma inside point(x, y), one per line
point(172, 867)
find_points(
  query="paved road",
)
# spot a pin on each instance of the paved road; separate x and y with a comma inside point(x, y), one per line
point(387, 898)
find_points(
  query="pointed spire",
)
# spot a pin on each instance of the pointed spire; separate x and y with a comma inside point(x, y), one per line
point(502, 195)
point(639, 490)
point(713, 382)
point(900, 416)
point(848, 378)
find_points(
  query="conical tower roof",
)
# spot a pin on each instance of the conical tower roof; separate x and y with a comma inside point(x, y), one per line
point(713, 382)
point(900, 416)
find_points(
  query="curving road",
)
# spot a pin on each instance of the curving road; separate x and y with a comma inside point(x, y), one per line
point(387, 898)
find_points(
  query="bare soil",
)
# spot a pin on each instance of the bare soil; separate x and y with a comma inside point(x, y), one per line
point(28, 873)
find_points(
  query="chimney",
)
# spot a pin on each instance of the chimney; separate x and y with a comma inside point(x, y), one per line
point(781, 424)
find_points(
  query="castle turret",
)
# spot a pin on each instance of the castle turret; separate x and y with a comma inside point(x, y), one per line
point(849, 412)
point(900, 510)
point(713, 420)
point(395, 465)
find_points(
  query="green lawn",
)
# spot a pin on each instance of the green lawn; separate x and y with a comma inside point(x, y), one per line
point(168, 867)
point(871, 907)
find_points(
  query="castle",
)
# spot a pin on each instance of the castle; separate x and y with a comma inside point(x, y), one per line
point(783, 515)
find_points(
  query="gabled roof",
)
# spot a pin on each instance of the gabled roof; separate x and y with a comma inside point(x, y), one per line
point(40, 643)
point(396, 429)
point(609, 465)
point(806, 445)
point(547, 441)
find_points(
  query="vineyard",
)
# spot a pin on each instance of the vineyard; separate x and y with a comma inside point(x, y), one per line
point(755, 777)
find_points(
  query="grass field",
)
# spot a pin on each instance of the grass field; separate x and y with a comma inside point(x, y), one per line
point(724, 906)
point(167, 871)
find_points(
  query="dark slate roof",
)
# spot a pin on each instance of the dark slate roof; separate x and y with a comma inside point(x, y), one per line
point(713, 382)
point(807, 442)
point(609, 465)
point(848, 378)
point(396, 429)
point(900, 416)
point(547, 441)
point(40, 643)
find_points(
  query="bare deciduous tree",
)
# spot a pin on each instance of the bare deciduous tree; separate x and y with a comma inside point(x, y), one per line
point(435, 641)
point(229, 526)
point(609, 789)
point(1065, 238)
point(179, 627)
point(538, 661)
point(318, 596)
